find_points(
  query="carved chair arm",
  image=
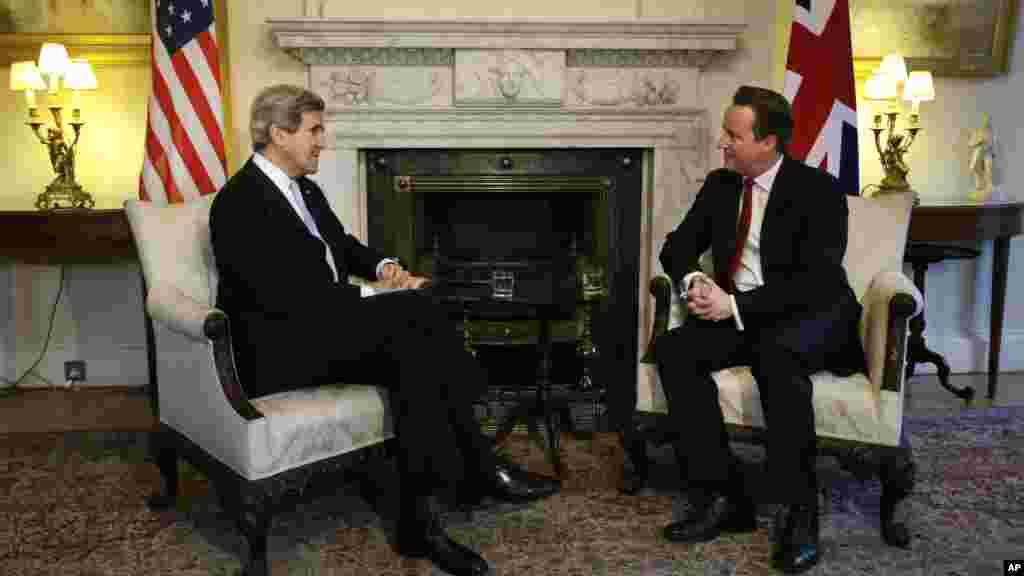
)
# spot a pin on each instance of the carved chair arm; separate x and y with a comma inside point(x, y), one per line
point(661, 289)
point(170, 307)
point(890, 302)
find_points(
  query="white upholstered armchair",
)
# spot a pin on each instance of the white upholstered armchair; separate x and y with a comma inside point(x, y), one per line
point(260, 454)
point(858, 418)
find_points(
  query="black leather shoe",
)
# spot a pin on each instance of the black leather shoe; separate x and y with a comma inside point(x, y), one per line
point(445, 553)
point(513, 484)
point(705, 521)
point(420, 535)
point(796, 538)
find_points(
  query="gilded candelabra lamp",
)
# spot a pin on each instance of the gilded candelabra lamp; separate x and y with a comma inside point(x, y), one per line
point(76, 75)
point(884, 87)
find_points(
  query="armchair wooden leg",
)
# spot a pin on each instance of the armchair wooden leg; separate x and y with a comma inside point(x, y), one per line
point(167, 462)
point(255, 526)
point(897, 476)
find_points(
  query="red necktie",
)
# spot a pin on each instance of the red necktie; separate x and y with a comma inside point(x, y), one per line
point(742, 229)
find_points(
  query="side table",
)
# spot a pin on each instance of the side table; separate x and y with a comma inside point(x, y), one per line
point(919, 255)
point(537, 405)
point(948, 223)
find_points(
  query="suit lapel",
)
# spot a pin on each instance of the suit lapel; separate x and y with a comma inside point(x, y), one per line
point(276, 204)
point(779, 198)
point(724, 242)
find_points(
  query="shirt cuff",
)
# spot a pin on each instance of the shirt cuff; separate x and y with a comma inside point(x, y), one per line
point(735, 313)
point(380, 265)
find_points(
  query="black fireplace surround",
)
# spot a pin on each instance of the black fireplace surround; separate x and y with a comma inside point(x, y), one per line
point(459, 215)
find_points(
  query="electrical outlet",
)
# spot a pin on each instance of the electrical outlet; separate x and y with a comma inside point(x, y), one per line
point(74, 370)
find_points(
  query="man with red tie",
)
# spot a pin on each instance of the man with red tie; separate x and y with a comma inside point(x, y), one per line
point(779, 302)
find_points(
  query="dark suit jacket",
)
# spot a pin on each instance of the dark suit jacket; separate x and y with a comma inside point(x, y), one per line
point(806, 301)
point(287, 313)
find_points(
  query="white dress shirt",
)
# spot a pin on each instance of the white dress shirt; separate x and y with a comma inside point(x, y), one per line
point(749, 274)
point(291, 191)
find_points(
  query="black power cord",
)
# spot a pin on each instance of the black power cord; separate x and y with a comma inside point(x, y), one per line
point(11, 387)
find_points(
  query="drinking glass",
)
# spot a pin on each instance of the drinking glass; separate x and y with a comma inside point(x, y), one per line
point(502, 283)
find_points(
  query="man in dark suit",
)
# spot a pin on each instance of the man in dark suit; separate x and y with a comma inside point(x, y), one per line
point(780, 303)
point(284, 259)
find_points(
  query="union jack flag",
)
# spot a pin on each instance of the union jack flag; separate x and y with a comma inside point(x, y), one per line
point(185, 155)
point(819, 86)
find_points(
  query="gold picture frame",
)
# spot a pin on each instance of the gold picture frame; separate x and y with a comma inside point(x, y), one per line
point(100, 49)
point(104, 31)
point(948, 38)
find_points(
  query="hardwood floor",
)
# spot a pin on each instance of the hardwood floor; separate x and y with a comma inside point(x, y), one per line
point(98, 408)
point(84, 408)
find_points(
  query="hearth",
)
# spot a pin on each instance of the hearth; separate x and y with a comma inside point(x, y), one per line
point(545, 218)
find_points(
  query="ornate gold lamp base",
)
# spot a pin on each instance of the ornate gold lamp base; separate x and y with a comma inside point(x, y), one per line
point(62, 195)
point(882, 190)
point(891, 154)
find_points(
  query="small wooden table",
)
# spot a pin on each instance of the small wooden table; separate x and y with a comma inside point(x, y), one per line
point(61, 236)
point(542, 307)
point(935, 228)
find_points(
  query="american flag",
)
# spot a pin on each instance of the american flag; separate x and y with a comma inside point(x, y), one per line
point(185, 155)
point(819, 85)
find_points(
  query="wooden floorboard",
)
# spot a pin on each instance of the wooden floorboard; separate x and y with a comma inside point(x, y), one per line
point(84, 408)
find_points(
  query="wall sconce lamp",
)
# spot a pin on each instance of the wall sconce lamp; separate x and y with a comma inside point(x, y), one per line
point(885, 86)
point(77, 76)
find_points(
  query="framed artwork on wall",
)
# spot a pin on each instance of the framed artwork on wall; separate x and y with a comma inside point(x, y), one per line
point(947, 37)
point(104, 31)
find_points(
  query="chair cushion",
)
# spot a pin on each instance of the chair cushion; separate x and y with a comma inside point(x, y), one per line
point(311, 424)
point(877, 237)
point(844, 407)
point(173, 243)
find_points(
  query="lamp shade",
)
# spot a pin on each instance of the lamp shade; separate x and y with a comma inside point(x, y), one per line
point(79, 75)
point(880, 87)
point(919, 87)
point(894, 65)
point(53, 59)
point(25, 76)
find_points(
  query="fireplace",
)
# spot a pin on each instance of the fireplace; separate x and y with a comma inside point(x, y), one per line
point(521, 88)
point(545, 217)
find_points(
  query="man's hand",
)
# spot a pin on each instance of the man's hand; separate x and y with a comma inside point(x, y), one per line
point(393, 276)
point(707, 301)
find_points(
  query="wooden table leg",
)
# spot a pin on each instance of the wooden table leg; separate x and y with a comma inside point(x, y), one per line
point(1000, 265)
point(917, 350)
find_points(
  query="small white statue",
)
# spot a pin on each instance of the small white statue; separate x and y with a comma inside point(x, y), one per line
point(981, 145)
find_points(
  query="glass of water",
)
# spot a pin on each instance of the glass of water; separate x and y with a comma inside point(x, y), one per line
point(502, 283)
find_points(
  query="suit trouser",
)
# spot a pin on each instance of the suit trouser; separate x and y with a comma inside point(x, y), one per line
point(411, 347)
point(686, 358)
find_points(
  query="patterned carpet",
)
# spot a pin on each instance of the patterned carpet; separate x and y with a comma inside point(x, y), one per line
point(72, 504)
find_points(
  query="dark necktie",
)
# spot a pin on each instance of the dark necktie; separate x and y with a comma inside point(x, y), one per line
point(727, 282)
